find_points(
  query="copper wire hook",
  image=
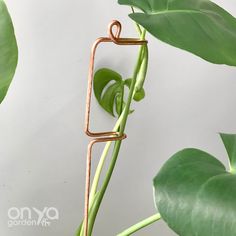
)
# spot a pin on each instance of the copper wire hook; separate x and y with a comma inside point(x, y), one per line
point(107, 135)
point(118, 30)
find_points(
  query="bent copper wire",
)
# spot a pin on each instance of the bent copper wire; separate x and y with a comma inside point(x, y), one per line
point(107, 135)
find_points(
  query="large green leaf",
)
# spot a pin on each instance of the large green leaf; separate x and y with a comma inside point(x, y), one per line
point(8, 50)
point(195, 194)
point(198, 26)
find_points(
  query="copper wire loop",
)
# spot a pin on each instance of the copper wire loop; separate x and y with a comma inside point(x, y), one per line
point(106, 136)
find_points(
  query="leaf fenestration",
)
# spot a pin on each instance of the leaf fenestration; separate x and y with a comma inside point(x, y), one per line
point(108, 89)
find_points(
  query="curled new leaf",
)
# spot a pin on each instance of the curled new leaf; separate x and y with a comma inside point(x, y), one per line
point(196, 195)
point(109, 89)
point(139, 95)
point(8, 50)
point(198, 26)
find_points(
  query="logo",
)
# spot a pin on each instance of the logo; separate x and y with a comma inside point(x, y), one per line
point(26, 216)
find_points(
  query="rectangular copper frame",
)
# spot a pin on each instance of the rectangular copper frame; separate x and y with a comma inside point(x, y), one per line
point(107, 135)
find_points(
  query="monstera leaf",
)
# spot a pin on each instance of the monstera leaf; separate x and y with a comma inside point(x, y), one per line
point(198, 26)
point(109, 89)
point(8, 50)
point(196, 195)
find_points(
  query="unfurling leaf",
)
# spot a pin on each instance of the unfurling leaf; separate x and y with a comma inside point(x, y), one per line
point(139, 95)
point(8, 50)
point(109, 89)
point(196, 195)
point(198, 26)
point(142, 70)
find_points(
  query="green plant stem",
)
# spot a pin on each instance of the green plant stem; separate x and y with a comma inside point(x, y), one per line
point(140, 225)
point(120, 126)
point(116, 149)
point(101, 162)
point(141, 70)
point(93, 192)
point(116, 127)
point(137, 25)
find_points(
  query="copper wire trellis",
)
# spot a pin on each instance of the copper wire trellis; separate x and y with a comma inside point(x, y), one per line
point(107, 135)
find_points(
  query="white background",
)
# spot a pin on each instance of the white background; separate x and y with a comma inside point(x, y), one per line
point(42, 144)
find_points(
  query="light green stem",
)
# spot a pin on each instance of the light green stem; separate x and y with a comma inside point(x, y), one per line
point(94, 210)
point(100, 165)
point(101, 162)
point(137, 25)
point(140, 225)
point(120, 126)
